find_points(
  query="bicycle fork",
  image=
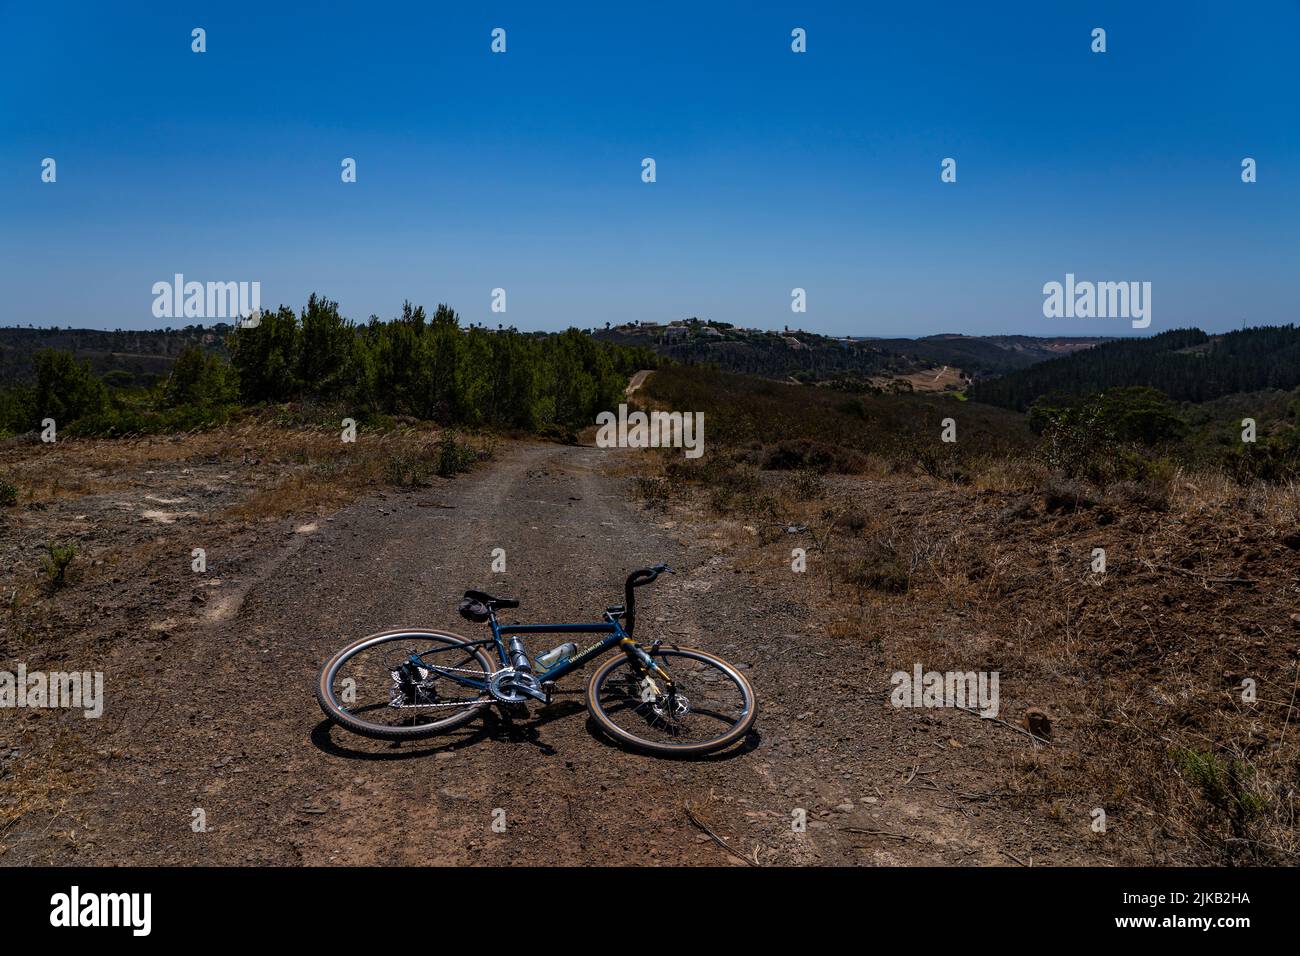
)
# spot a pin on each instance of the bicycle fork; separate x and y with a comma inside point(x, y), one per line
point(648, 664)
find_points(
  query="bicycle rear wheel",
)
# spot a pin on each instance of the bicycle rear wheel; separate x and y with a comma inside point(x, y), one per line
point(394, 685)
point(712, 708)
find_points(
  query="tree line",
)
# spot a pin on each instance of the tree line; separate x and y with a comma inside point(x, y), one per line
point(1186, 364)
point(426, 366)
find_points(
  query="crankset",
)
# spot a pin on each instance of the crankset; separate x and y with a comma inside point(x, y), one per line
point(511, 686)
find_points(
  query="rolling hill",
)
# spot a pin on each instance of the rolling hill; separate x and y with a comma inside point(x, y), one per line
point(812, 358)
point(1186, 364)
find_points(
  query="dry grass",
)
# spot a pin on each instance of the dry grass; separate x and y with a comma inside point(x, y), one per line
point(38, 788)
point(1140, 668)
point(134, 509)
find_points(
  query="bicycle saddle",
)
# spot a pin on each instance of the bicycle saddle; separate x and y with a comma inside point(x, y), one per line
point(499, 603)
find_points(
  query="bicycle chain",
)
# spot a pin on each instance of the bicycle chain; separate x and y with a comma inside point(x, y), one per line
point(462, 703)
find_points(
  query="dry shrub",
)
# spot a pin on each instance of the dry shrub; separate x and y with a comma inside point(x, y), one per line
point(853, 633)
point(41, 785)
point(851, 519)
point(805, 454)
point(728, 500)
point(1146, 495)
point(1061, 494)
point(1139, 668)
point(805, 485)
point(943, 462)
point(875, 564)
point(733, 487)
point(1009, 474)
point(652, 489)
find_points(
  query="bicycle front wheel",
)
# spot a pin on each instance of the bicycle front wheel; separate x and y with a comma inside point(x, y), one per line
point(711, 708)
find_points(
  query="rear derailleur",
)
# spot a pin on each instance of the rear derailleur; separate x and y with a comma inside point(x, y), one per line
point(412, 686)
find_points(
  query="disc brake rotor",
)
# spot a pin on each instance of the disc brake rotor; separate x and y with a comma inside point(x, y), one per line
point(664, 707)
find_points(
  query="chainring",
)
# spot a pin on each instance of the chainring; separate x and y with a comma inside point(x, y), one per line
point(499, 687)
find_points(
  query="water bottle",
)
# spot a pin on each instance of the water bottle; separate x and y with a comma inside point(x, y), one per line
point(556, 655)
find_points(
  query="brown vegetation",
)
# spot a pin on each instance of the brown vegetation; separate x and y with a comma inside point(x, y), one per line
point(1140, 671)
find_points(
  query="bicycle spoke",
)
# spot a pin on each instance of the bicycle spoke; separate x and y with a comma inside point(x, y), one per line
point(364, 686)
point(707, 704)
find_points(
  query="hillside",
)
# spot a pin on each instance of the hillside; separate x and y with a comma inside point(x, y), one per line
point(799, 426)
point(983, 356)
point(825, 542)
point(933, 363)
point(1186, 364)
point(145, 355)
point(810, 357)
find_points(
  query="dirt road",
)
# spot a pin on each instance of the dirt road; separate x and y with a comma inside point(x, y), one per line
point(221, 727)
point(637, 380)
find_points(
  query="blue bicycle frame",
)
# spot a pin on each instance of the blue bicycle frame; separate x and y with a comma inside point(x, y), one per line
point(611, 627)
point(511, 652)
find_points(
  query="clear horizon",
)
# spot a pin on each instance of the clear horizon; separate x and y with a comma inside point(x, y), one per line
point(775, 170)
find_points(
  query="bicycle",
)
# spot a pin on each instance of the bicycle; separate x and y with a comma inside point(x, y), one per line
point(660, 698)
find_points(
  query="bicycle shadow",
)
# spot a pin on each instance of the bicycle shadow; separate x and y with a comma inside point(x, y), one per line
point(492, 725)
point(322, 738)
point(746, 744)
point(503, 727)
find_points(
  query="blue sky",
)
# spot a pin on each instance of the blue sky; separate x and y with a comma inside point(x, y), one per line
point(774, 169)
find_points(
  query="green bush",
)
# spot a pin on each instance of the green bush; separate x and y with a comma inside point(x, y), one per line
point(426, 367)
point(65, 389)
point(266, 357)
point(118, 378)
point(1275, 459)
point(432, 368)
point(56, 563)
point(202, 379)
point(1108, 437)
point(17, 410)
point(452, 456)
point(128, 418)
point(1223, 784)
point(408, 471)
